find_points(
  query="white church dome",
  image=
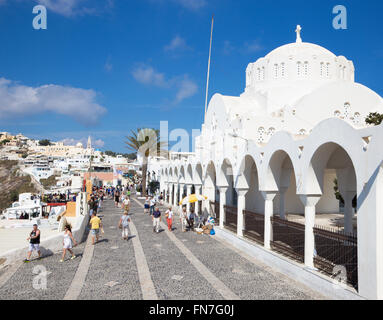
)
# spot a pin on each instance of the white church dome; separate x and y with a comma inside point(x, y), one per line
point(300, 49)
point(297, 63)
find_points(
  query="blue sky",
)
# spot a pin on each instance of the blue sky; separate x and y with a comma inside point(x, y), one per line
point(104, 67)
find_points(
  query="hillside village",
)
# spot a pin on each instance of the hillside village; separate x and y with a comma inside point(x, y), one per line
point(36, 166)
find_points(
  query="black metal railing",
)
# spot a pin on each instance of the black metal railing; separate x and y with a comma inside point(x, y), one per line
point(230, 221)
point(214, 209)
point(254, 226)
point(336, 254)
point(288, 238)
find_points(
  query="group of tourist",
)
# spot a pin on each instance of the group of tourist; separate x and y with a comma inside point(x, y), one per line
point(151, 207)
point(187, 219)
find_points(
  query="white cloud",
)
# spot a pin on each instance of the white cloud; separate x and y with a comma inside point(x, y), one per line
point(187, 89)
point(69, 8)
point(253, 47)
point(18, 101)
point(249, 47)
point(228, 48)
point(177, 43)
point(188, 4)
point(108, 65)
point(191, 4)
point(149, 76)
point(64, 7)
point(98, 143)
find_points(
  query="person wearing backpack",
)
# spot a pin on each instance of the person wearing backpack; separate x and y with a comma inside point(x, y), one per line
point(124, 225)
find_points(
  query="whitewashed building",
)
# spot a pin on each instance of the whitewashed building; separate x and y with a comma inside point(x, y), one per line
point(276, 150)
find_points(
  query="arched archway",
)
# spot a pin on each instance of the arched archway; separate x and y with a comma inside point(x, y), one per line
point(251, 202)
point(210, 190)
point(228, 196)
point(284, 223)
point(331, 173)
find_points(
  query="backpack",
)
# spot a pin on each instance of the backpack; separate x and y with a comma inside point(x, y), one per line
point(212, 232)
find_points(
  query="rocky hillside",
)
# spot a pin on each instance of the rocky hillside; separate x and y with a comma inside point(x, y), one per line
point(12, 183)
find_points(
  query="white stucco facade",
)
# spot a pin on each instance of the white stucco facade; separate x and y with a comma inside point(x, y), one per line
point(277, 148)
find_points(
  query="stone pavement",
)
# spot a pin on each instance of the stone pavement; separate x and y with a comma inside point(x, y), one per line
point(183, 266)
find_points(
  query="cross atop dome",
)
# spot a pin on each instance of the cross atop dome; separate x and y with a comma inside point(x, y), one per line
point(298, 31)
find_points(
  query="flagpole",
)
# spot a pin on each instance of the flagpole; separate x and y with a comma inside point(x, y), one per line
point(208, 68)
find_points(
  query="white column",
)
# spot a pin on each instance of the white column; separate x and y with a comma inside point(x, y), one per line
point(282, 210)
point(188, 192)
point(348, 196)
point(222, 203)
point(181, 192)
point(241, 206)
point(175, 204)
point(198, 192)
point(171, 193)
point(309, 203)
point(269, 197)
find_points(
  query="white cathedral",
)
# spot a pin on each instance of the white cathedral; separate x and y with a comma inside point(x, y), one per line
point(276, 149)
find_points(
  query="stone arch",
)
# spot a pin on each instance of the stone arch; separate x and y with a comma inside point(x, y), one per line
point(226, 179)
point(198, 173)
point(210, 183)
point(281, 178)
point(189, 174)
point(329, 162)
point(248, 178)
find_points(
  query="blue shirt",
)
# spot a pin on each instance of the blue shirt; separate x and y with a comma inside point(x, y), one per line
point(156, 214)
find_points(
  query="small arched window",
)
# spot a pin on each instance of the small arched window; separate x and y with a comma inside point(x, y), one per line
point(306, 68)
point(261, 134)
point(347, 109)
point(302, 132)
point(271, 131)
point(275, 71)
point(328, 70)
point(357, 118)
point(337, 114)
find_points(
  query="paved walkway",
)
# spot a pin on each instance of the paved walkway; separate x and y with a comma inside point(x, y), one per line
point(177, 265)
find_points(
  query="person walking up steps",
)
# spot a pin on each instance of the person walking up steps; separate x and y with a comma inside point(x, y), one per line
point(156, 220)
point(96, 224)
point(34, 243)
point(68, 243)
point(124, 225)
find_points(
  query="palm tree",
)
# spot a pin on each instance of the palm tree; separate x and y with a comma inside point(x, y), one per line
point(146, 142)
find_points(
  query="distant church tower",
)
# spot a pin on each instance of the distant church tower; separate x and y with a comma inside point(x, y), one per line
point(89, 144)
